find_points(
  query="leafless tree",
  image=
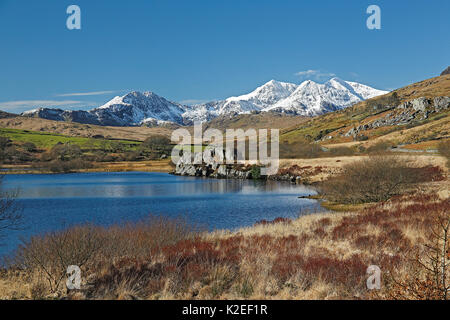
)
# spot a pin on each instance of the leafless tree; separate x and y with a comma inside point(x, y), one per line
point(10, 211)
point(437, 259)
point(429, 272)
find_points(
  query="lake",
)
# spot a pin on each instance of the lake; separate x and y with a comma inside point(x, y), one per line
point(51, 202)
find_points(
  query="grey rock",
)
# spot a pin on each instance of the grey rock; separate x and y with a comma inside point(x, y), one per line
point(446, 71)
point(441, 103)
point(420, 104)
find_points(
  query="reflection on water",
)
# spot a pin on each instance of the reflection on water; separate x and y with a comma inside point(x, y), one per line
point(53, 201)
point(120, 185)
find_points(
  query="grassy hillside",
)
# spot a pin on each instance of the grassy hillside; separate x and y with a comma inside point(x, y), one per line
point(72, 129)
point(25, 151)
point(46, 140)
point(334, 125)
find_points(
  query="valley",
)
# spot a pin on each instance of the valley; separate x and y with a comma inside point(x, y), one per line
point(228, 154)
point(408, 120)
point(352, 188)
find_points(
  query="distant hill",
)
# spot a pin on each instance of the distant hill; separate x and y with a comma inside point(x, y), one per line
point(4, 115)
point(417, 113)
point(412, 114)
point(446, 71)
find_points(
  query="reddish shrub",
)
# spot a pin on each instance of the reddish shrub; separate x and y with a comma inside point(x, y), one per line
point(324, 222)
point(274, 221)
point(427, 174)
point(320, 232)
point(349, 272)
point(286, 265)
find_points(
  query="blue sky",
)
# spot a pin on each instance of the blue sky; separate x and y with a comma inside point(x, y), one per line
point(200, 50)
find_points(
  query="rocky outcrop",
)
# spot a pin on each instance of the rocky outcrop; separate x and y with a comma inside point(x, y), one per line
point(406, 113)
point(210, 163)
point(446, 71)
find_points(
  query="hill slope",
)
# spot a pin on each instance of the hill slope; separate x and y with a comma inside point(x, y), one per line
point(418, 104)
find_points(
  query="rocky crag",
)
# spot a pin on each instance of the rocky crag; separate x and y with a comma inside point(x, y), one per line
point(406, 113)
point(446, 71)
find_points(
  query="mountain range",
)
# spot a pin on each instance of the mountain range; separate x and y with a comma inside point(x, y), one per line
point(135, 108)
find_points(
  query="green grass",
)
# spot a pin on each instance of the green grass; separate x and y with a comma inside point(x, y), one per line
point(45, 140)
point(322, 125)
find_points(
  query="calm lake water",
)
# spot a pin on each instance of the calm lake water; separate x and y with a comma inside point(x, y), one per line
point(51, 202)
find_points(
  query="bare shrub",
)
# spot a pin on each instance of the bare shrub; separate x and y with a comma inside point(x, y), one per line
point(141, 238)
point(10, 210)
point(53, 252)
point(92, 248)
point(156, 142)
point(379, 147)
point(60, 166)
point(38, 291)
point(429, 271)
point(29, 147)
point(373, 179)
point(65, 152)
point(444, 149)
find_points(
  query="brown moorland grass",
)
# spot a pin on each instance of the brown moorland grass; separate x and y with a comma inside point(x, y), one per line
point(123, 166)
point(320, 256)
point(321, 169)
point(376, 178)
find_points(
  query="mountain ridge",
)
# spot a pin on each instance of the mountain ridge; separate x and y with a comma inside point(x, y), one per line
point(147, 108)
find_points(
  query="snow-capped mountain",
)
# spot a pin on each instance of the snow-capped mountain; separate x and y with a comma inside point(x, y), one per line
point(132, 109)
point(311, 98)
point(307, 99)
point(263, 96)
point(135, 108)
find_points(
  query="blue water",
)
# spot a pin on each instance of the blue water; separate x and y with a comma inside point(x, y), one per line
point(51, 202)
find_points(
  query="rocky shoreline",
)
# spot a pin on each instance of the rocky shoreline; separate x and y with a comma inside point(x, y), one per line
point(195, 166)
point(224, 171)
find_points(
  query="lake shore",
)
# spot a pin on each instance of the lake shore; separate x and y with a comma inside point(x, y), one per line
point(313, 169)
point(319, 256)
point(53, 201)
point(164, 166)
point(324, 255)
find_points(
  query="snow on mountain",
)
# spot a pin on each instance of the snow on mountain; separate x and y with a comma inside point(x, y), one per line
point(267, 94)
point(263, 96)
point(366, 92)
point(311, 98)
point(136, 108)
point(308, 99)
